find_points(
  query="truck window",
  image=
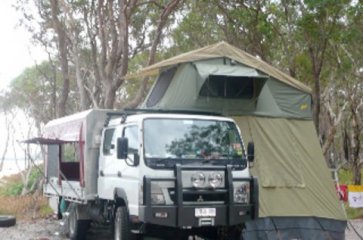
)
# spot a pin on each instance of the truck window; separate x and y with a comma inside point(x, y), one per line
point(132, 135)
point(192, 139)
point(108, 144)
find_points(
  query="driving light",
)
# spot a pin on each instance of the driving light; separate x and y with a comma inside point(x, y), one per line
point(157, 196)
point(198, 180)
point(241, 192)
point(215, 179)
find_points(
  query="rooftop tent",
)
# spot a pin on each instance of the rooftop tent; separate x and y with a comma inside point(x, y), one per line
point(211, 85)
point(297, 193)
point(222, 84)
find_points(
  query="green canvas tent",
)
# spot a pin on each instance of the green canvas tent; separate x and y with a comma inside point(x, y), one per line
point(297, 194)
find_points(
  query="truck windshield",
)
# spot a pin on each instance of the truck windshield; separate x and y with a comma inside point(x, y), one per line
point(184, 141)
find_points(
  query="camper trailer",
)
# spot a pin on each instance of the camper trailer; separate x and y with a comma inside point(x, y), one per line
point(164, 173)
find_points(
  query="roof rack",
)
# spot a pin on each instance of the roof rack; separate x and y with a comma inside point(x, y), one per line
point(132, 111)
point(121, 114)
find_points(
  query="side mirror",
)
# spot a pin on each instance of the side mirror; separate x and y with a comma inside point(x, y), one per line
point(122, 147)
point(251, 151)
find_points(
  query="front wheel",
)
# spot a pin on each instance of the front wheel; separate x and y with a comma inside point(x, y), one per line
point(122, 226)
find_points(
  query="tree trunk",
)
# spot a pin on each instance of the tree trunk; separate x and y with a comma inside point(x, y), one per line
point(316, 103)
point(7, 139)
point(355, 143)
point(357, 176)
point(62, 48)
point(84, 100)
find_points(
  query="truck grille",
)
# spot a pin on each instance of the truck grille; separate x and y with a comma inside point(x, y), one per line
point(195, 196)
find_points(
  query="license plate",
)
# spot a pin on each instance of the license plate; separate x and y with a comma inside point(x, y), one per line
point(205, 212)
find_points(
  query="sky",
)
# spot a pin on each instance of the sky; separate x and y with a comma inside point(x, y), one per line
point(16, 54)
point(16, 51)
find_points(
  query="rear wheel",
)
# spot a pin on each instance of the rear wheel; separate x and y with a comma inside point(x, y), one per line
point(77, 229)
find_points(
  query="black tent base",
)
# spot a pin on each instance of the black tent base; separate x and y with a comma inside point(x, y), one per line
point(297, 228)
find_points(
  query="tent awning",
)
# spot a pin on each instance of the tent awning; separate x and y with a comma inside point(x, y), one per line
point(206, 69)
point(45, 141)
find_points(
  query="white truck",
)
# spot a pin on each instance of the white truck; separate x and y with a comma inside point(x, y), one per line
point(169, 174)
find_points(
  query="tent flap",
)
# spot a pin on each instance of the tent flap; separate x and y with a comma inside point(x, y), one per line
point(293, 175)
point(236, 70)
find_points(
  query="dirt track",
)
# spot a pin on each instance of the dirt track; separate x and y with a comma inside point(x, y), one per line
point(32, 230)
point(47, 230)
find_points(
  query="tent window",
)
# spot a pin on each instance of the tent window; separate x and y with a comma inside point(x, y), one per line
point(160, 87)
point(228, 87)
point(70, 152)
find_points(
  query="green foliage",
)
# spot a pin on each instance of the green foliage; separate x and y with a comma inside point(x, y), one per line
point(353, 213)
point(31, 92)
point(45, 210)
point(195, 29)
point(346, 176)
point(14, 186)
point(12, 189)
point(35, 175)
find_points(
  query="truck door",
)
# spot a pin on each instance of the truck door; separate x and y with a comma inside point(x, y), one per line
point(107, 170)
point(130, 171)
point(120, 173)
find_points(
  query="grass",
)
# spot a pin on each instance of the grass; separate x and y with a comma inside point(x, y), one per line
point(345, 177)
point(26, 207)
point(353, 213)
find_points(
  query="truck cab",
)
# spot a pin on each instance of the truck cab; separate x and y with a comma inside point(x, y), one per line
point(178, 171)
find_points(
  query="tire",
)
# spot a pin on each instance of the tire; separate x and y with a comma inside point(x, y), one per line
point(77, 229)
point(121, 223)
point(7, 221)
point(181, 237)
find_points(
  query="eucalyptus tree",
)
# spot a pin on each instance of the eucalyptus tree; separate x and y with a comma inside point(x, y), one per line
point(35, 91)
point(350, 68)
point(95, 40)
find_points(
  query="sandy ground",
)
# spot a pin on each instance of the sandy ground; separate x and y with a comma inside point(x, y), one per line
point(48, 229)
point(358, 226)
point(43, 229)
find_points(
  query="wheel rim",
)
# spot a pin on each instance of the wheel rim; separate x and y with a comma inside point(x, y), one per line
point(72, 224)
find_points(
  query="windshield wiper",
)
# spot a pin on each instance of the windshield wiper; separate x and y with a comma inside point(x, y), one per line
point(212, 161)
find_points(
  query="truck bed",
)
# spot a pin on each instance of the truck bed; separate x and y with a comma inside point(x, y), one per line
point(69, 190)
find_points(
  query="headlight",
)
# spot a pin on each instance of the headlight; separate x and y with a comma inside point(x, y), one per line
point(157, 196)
point(198, 180)
point(215, 179)
point(241, 192)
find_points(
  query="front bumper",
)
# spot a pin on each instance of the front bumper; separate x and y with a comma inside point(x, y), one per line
point(182, 214)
